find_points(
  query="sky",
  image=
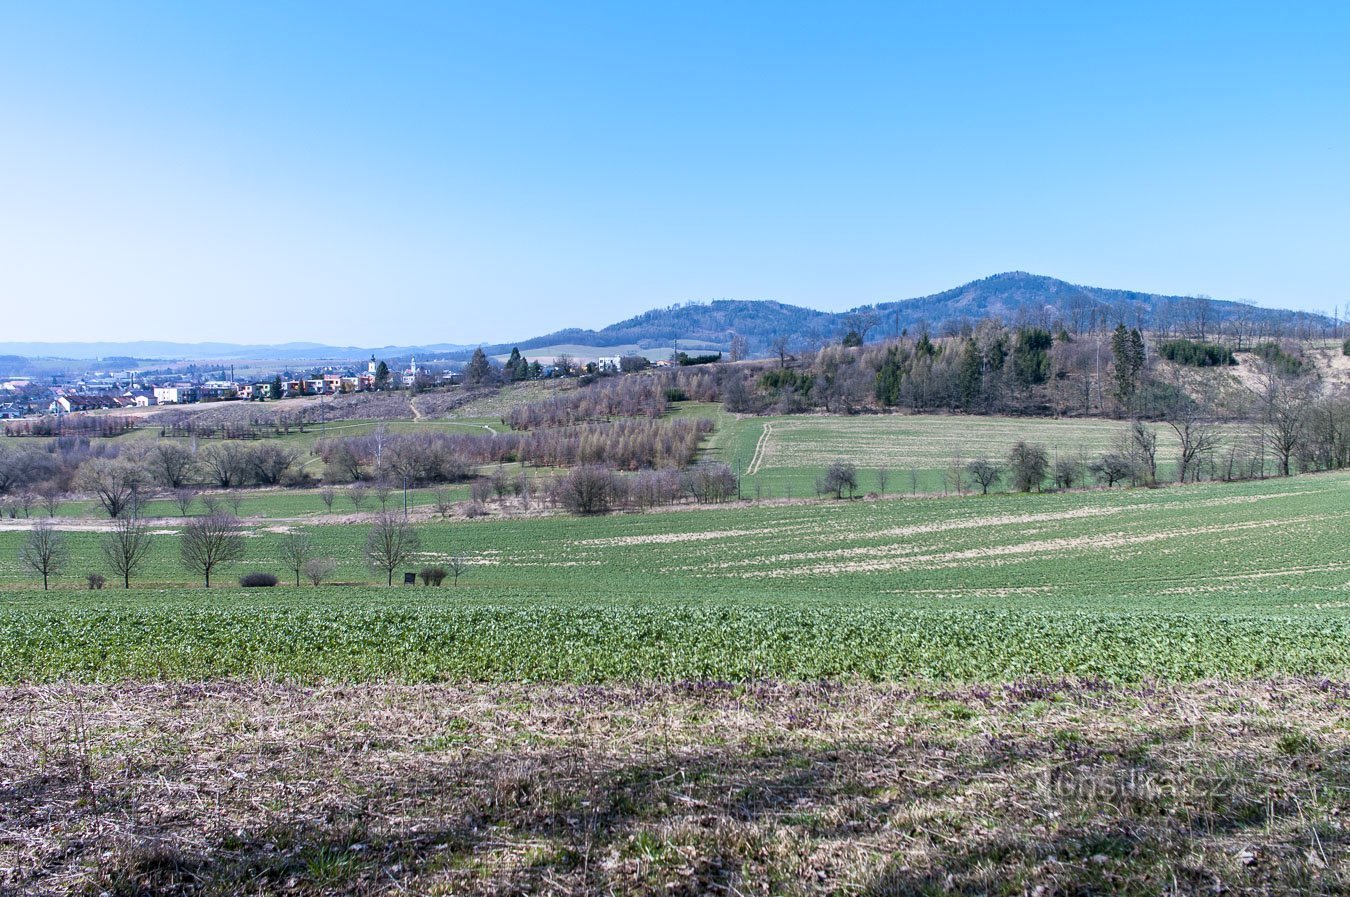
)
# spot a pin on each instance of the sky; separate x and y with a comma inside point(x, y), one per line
point(403, 173)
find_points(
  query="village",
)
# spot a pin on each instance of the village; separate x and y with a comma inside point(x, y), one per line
point(24, 396)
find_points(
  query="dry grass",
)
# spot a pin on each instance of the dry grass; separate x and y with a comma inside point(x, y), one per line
point(1031, 788)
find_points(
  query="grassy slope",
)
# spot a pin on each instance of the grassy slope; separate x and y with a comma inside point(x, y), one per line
point(1181, 583)
point(800, 447)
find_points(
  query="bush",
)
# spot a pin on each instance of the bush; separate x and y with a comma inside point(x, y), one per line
point(1196, 354)
point(258, 580)
point(1279, 360)
point(319, 569)
point(1345, 349)
point(95, 580)
point(588, 490)
point(433, 576)
point(1029, 464)
point(839, 477)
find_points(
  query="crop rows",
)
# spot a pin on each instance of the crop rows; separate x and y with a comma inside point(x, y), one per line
point(1190, 582)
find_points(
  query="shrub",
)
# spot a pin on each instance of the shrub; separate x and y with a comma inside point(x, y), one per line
point(258, 580)
point(588, 490)
point(1029, 464)
point(96, 580)
point(1345, 349)
point(433, 576)
point(1279, 360)
point(839, 477)
point(1196, 354)
point(319, 569)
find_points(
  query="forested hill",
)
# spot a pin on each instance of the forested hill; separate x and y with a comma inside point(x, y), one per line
point(1012, 297)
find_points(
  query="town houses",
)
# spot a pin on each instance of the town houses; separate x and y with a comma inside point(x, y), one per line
point(27, 396)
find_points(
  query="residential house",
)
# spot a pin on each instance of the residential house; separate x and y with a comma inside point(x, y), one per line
point(73, 404)
point(179, 394)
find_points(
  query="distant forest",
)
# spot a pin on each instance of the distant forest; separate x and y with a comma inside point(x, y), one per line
point(1015, 299)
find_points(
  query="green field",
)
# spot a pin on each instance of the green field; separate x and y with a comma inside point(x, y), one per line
point(1181, 583)
point(782, 456)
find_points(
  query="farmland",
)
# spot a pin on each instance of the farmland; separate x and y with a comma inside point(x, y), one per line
point(1182, 583)
point(782, 456)
point(1133, 691)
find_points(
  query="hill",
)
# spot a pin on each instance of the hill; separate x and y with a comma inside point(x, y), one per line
point(1012, 297)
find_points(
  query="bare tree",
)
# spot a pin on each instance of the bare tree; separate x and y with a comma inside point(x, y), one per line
point(294, 551)
point(115, 484)
point(235, 500)
point(171, 464)
point(1112, 468)
point(52, 497)
point(1285, 417)
point(383, 490)
point(327, 495)
point(184, 498)
point(270, 461)
point(986, 473)
point(319, 569)
point(839, 476)
point(390, 543)
point(1144, 450)
point(587, 490)
point(1029, 463)
point(1067, 472)
point(209, 541)
point(956, 473)
point(780, 345)
point(883, 477)
point(44, 550)
point(457, 566)
point(226, 464)
point(356, 494)
point(125, 548)
point(1197, 439)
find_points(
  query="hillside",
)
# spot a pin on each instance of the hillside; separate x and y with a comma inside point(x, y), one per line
point(1012, 297)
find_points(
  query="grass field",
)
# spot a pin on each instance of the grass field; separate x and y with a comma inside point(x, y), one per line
point(1129, 692)
point(1182, 583)
point(782, 456)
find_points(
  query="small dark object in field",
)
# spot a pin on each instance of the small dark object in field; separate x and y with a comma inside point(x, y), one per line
point(96, 580)
point(258, 580)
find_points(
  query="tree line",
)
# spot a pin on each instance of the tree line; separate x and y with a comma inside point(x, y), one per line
point(208, 543)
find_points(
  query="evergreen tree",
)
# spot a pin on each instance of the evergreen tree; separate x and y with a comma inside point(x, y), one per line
point(478, 370)
point(970, 375)
point(513, 365)
point(1031, 358)
point(276, 387)
point(381, 376)
point(889, 377)
point(1127, 354)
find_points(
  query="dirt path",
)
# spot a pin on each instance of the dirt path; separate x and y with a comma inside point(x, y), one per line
point(761, 449)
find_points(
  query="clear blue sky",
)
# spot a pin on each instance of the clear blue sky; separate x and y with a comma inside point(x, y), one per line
point(367, 173)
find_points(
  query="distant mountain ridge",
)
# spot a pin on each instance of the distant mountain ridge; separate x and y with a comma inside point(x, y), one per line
point(157, 350)
point(1012, 297)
